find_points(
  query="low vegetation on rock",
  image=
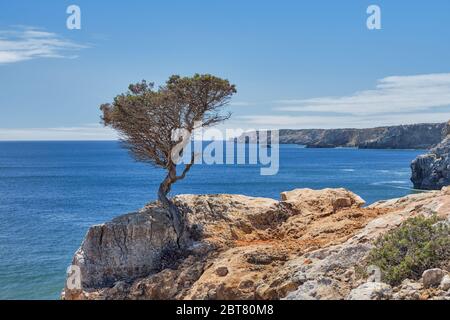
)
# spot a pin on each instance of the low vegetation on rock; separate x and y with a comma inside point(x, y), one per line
point(420, 243)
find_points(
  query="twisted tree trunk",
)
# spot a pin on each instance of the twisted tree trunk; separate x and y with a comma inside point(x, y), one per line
point(177, 219)
point(174, 213)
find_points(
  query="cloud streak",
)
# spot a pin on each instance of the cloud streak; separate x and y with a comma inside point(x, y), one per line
point(88, 132)
point(26, 43)
point(240, 103)
point(398, 94)
point(328, 122)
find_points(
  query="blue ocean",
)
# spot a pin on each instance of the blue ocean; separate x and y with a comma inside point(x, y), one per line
point(51, 192)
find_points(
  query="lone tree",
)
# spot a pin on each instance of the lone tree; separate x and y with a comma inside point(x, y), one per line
point(146, 120)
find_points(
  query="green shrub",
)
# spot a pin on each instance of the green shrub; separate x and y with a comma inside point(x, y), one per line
point(406, 252)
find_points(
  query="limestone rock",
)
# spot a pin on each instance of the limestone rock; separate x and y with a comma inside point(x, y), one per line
point(432, 277)
point(222, 271)
point(432, 170)
point(128, 247)
point(371, 291)
point(445, 283)
point(307, 246)
point(408, 290)
point(319, 289)
point(324, 201)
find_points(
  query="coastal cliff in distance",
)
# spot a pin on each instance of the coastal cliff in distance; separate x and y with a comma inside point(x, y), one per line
point(415, 136)
point(431, 171)
point(309, 245)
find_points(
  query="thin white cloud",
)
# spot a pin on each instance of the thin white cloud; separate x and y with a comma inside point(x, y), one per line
point(240, 103)
point(26, 43)
point(406, 94)
point(327, 122)
point(88, 132)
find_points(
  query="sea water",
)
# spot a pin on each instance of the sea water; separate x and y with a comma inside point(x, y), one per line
point(51, 192)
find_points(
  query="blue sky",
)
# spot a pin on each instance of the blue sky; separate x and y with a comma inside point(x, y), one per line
point(296, 64)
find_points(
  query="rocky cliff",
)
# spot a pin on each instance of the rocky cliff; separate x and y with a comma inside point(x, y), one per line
point(432, 170)
point(306, 246)
point(416, 136)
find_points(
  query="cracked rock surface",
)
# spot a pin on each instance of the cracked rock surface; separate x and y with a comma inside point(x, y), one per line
point(305, 246)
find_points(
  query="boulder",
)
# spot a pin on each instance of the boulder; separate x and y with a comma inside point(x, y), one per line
point(326, 201)
point(432, 277)
point(445, 283)
point(128, 247)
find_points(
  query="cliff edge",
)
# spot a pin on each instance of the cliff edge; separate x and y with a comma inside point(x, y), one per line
point(432, 170)
point(414, 136)
point(306, 246)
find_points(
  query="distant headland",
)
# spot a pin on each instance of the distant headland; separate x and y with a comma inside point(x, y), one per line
point(414, 136)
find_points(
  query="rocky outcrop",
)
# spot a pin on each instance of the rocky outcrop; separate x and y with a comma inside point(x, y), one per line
point(306, 246)
point(129, 246)
point(371, 291)
point(416, 136)
point(432, 286)
point(432, 170)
